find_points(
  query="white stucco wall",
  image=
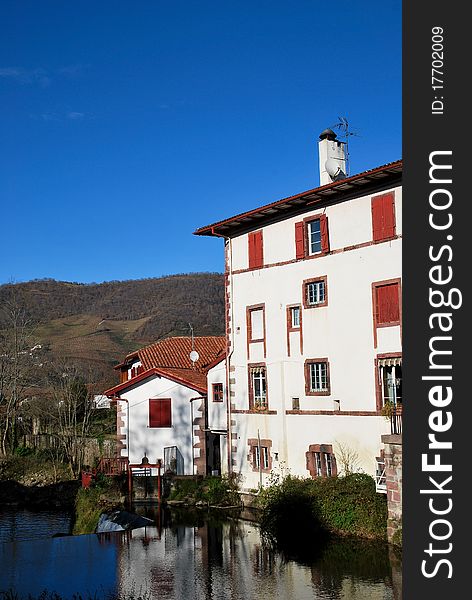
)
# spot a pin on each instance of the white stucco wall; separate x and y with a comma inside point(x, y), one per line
point(342, 332)
point(217, 411)
point(142, 439)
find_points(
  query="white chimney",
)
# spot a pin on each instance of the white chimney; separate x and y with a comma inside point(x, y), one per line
point(332, 157)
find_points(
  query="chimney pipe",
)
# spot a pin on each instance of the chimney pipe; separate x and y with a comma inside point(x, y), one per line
point(332, 157)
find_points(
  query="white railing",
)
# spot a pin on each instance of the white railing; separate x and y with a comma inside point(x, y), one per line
point(380, 478)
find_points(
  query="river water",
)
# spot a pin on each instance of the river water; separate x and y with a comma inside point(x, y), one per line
point(184, 556)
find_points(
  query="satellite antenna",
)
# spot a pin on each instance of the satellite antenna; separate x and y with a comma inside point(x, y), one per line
point(343, 126)
point(194, 356)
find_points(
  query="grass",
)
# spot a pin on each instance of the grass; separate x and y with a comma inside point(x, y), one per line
point(104, 494)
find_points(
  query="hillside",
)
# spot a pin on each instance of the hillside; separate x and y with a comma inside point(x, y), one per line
point(100, 323)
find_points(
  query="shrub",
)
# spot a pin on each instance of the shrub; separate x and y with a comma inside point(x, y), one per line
point(342, 505)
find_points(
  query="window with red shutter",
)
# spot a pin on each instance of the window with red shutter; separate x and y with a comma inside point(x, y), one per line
point(256, 250)
point(311, 236)
point(388, 304)
point(383, 217)
point(160, 413)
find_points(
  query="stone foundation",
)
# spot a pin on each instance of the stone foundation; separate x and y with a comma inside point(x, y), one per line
point(393, 471)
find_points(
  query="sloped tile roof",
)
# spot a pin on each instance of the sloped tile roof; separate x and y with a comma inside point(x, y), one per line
point(174, 353)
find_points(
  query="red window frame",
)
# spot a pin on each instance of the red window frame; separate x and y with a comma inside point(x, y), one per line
point(160, 412)
point(386, 304)
point(217, 392)
point(308, 390)
point(301, 236)
point(322, 449)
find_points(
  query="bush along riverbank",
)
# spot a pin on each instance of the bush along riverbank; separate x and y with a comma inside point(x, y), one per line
point(211, 491)
point(297, 510)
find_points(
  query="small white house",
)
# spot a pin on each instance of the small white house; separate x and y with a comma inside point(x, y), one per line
point(313, 321)
point(162, 404)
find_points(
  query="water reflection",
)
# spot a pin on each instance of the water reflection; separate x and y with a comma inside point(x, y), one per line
point(185, 555)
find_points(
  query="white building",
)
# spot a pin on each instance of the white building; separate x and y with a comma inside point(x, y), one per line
point(313, 315)
point(162, 405)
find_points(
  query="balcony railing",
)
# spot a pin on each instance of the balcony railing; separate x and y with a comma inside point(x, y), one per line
point(112, 466)
point(380, 477)
point(396, 421)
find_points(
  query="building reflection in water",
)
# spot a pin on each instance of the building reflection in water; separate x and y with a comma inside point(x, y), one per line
point(189, 556)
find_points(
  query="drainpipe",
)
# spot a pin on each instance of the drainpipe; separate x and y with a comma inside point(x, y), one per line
point(229, 441)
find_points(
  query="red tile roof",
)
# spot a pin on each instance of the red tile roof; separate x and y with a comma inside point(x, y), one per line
point(171, 358)
point(174, 353)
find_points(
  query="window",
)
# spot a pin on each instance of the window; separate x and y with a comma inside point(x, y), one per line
point(320, 461)
point(256, 324)
point(259, 455)
point(311, 236)
point(383, 217)
point(294, 326)
point(386, 300)
point(256, 250)
point(264, 451)
point(315, 292)
point(390, 381)
point(160, 413)
point(295, 403)
point(257, 388)
point(217, 389)
point(317, 377)
point(314, 237)
point(295, 317)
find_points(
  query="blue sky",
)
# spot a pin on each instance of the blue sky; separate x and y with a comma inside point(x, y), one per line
point(127, 125)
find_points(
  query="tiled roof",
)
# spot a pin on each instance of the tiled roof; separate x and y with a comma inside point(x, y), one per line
point(174, 353)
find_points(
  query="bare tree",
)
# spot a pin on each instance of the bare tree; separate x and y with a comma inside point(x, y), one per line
point(347, 458)
point(70, 408)
point(16, 369)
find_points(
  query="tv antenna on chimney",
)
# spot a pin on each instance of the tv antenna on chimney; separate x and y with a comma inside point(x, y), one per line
point(343, 126)
point(194, 356)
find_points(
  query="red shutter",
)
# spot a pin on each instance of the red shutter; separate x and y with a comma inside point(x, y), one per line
point(166, 413)
point(300, 239)
point(259, 248)
point(324, 234)
point(388, 306)
point(383, 217)
point(389, 215)
point(256, 255)
point(154, 413)
point(160, 413)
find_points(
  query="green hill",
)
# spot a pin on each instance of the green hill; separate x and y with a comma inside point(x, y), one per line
point(100, 323)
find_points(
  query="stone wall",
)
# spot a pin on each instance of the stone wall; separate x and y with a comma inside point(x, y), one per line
point(393, 472)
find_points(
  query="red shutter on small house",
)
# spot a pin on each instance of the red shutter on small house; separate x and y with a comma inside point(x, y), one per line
point(300, 239)
point(388, 304)
point(160, 413)
point(256, 250)
point(324, 233)
point(383, 217)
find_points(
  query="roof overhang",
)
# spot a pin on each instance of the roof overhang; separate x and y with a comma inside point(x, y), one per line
point(117, 389)
point(338, 191)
